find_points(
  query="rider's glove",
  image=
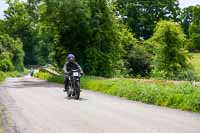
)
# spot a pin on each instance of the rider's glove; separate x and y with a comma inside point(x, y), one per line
point(82, 74)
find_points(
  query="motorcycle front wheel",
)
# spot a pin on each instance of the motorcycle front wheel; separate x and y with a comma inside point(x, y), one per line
point(77, 91)
point(69, 93)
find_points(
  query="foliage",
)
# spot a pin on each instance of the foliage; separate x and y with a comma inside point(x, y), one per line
point(22, 21)
point(135, 59)
point(195, 28)
point(46, 35)
point(101, 33)
point(138, 62)
point(169, 58)
point(142, 15)
point(91, 33)
point(6, 65)
point(2, 76)
point(181, 96)
point(186, 19)
point(12, 54)
point(16, 73)
point(195, 61)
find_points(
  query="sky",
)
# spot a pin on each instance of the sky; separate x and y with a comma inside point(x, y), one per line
point(3, 7)
point(183, 3)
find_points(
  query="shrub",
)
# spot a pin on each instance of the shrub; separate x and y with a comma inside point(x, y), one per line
point(138, 62)
point(6, 65)
point(189, 75)
point(136, 59)
point(2, 76)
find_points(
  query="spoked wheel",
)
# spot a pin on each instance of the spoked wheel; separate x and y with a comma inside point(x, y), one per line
point(77, 95)
point(69, 93)
point(77, 92)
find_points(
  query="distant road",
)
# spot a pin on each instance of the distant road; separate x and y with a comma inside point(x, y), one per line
point(35, 106)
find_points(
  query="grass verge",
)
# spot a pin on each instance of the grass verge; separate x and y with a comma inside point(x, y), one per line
point(180, 96)
point(195, 61)
point(1, 124)
point(3, 75)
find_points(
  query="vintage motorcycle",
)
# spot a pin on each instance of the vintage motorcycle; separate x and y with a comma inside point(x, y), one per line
point(73, 87)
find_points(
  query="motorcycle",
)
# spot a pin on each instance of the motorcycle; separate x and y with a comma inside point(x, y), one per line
point(73, 87)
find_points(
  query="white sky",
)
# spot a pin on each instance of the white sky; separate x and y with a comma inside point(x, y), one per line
point(186, 3)
point(183, 3)
point(3, 7)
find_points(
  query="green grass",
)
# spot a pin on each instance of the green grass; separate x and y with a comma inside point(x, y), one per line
point(1, 110)
point(3, 75)
point(195, 61)
point(1, 130)
point(180, 96)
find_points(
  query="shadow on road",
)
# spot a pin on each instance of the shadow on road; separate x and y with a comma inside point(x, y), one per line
point(72, 98)
point(25, 84)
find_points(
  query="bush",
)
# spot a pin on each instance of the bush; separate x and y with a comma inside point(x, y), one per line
point(138, 62)
point(6, 65)
point(2, 76)
point(135, 58)
point(189, 75)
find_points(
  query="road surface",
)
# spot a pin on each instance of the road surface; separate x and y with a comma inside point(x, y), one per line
point(36, 106)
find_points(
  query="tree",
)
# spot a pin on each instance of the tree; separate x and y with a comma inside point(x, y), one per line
point(104, 49)
point(136, 60)
point(70, 27)
point(142, 15)
point(87, 29)
point(11, 53)
point(18, 24)
point(169, 59)
point(186, 19)
point(46, 33)
point(194, 29)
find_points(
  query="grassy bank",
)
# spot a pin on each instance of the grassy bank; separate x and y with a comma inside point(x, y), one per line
point(195, 61)
point(3, 75)
point(1, 124)
point(182, 96)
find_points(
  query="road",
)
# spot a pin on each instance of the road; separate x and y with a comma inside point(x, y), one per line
point(36, 106)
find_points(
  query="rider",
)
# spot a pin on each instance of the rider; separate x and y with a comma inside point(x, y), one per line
point(70, 65)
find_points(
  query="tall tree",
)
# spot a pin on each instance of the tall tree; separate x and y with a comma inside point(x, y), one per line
point(104, 50)
point(186, 19)
point(169, 59)
point(195, 28)
point(18, 24)
point(87, 29)
point(142, 15)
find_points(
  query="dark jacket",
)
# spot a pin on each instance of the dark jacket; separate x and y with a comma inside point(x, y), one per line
point(68, 66)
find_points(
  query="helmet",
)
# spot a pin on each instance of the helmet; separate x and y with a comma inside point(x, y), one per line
point(70, 57)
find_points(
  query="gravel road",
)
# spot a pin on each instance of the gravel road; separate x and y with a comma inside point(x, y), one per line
point(36, 106)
